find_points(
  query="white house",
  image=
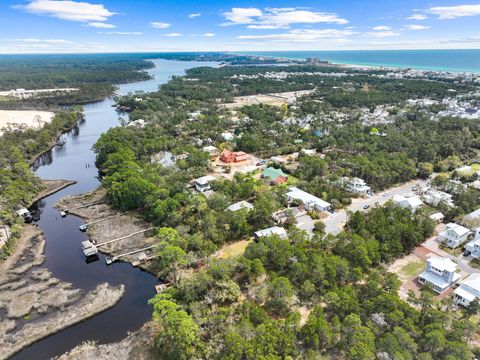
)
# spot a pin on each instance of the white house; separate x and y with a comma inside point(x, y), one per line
point(309, 152)
point(474, 245)
point(411, 202)
point(356, 185)
point(228, 136)
point(310, 201)
point(275, 230)
point(468, 290)
point(202, 184)
point(437, 217)
point(139, 124)
point(439, 274)
point(211, 150)
point(240, 205)
point(435, 197)
point(453, 235)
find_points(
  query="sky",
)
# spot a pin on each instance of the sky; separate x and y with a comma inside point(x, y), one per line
point(58, 26)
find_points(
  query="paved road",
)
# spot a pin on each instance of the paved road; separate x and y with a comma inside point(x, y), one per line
point(335, 222)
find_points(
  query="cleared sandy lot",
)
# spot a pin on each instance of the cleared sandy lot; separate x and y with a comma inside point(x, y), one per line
point(23, 119)
point(275, 99)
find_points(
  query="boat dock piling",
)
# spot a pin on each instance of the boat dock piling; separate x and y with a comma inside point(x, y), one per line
point(159, 288)
point(124, 237)
point(142, 258)
point(112, 259)
point(90, 248)
point(84, 227)
point(85, 205)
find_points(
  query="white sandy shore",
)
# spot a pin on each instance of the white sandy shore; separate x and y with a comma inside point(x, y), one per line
point(22, 119)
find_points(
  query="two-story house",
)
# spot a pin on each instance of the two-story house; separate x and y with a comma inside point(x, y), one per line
point(358, 186)
point(453, 235)
point(411, 202)
point(468, 290)
point(439, 274)
point(474, 245)
point(203, 183)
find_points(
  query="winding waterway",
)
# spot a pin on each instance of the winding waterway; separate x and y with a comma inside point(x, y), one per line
point(64, 258)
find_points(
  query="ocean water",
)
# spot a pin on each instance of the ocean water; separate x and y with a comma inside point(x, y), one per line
point(440, 60)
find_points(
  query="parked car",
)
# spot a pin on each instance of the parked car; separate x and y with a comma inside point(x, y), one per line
point(365, 207)
point(466, 253)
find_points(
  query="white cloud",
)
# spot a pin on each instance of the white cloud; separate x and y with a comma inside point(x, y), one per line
point(68, 10)
point(277, 18)
point(382, 28)
point(299, 35)
point(101, 25)
point(208, 34)
point(417, 17)
point(41, 41)
point(452, 12)
point(121, 33)
point(416, 27)
point(159, 25)
point(381, 34)
point(242, 15)
point(194, 15)
point(173, 34)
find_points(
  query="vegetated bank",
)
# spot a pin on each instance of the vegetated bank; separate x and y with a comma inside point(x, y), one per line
point(20, 186)
point(95, 77)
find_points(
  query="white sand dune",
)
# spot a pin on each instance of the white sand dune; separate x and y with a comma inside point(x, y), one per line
point(23, 119)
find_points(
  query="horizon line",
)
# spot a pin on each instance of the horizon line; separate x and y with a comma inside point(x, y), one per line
point(221, 51)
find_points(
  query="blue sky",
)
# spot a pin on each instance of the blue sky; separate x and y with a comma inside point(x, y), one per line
point(50, 26)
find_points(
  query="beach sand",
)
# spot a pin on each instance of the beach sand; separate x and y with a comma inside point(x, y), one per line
point(22, 119)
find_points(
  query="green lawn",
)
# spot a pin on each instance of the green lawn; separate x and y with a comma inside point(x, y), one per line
point(413, 269)
point(235, 249)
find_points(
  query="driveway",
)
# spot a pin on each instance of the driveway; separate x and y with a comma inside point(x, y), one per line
point(336, 221)
point(305, 222)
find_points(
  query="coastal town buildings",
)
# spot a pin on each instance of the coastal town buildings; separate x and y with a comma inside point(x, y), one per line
point(211, 150)
point(230, 157)
point(411, 202)
point(468, 290)
point(440, 273)
point(275, 230)
point(311, 202)
point(240, 205)
point(355, 185)
point(474, 246)
point(435, 197)
point(454, 235)
point(274, 176)
point(203, 183)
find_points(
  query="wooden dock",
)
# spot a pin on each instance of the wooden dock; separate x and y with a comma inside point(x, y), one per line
point(143, 260)
point(159, 288)
point(85, 205)
point(110, 260)
point(124, 237)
